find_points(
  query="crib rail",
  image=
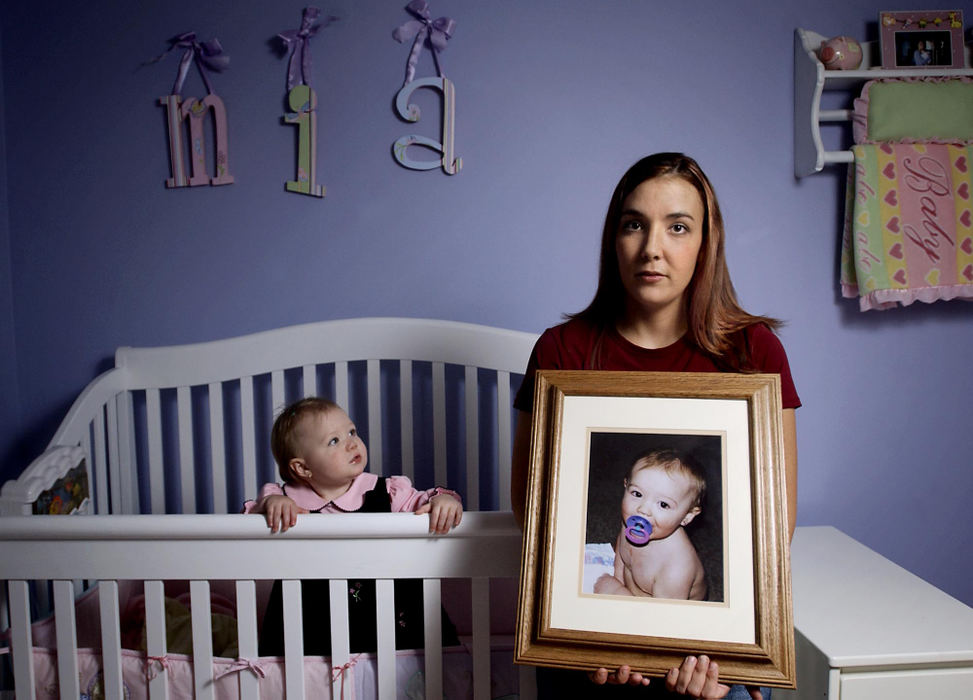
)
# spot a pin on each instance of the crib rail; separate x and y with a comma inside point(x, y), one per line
point(201, 548)
point(185, 429)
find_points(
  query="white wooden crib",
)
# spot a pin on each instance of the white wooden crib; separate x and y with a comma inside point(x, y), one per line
point(157, 456)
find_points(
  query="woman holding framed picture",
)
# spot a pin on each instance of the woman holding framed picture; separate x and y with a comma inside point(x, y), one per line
point(664, 302)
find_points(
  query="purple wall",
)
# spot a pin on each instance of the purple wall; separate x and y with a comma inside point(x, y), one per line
point(554, 101)
point(9, 405)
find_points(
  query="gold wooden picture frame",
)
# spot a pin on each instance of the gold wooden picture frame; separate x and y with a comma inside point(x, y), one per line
point(588, 429)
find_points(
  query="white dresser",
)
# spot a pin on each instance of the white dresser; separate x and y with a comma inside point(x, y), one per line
point(868, 629)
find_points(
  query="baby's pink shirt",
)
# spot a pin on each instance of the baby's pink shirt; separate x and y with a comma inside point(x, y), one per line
point(405, 498)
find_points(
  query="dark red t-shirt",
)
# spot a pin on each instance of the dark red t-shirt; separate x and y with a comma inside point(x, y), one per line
point(571, 345)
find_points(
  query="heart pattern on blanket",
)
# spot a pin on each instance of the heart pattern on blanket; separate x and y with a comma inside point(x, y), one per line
point(900, 277)
point(964, 218)
point(889, 171)
point(892, 198)
point(961, 164)
point(887, 147)
point(932, 279)
point(967, 246)
point(896, 251)
point(893, 224)
point(968, 272)
point(963, 190)
point(864, 218)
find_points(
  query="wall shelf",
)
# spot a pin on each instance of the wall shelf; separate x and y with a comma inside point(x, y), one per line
point(811, 79)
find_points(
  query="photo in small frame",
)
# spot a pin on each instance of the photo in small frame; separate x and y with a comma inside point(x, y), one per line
point(687, 465)
point(922, 39)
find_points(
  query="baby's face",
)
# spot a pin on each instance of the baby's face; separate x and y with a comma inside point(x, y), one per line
point(664, 498)
point(331, 451)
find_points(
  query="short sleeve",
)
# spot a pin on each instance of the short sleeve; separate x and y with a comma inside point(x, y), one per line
point(547, 354)
point(768, 355)
point(405, 498)
point(265, 491)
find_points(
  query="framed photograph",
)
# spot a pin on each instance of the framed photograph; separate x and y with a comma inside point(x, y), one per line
point(656, 525)
point(922, 39)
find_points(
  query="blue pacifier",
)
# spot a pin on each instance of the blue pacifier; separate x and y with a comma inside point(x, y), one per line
point(638, 530)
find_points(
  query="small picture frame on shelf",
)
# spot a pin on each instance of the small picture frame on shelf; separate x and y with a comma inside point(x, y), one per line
point(922, 39)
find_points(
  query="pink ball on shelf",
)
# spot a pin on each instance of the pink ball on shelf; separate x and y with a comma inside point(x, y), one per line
point(840, 53)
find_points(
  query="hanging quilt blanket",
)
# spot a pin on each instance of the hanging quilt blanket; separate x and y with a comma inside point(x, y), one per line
point(908, 232)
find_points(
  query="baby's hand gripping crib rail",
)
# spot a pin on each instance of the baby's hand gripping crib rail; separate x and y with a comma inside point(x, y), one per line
point(180, 431)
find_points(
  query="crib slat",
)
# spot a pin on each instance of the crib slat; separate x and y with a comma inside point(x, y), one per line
point(433, 633)
point(114, 473)
point(202, 639)
point(481, 637)
point(246, 612)
point(247, 428)
point(187, 470)
point(309, 381)
point(157, 484)
point(374, 383)
point(155, 640)
point(111, 638)
point(293, 639)
point(439, 422)
point(405, 418)
point(385, 614)
point(21, 639)
point(99, 455)
point(95, 478)
point(217, 447)
point(277, 398)
point(277, 391)
point(341, 386)
point(126, 452)
point(471, 391)
point(527, 677)
point(67, 645)
point(340, 644)
point(503, 438)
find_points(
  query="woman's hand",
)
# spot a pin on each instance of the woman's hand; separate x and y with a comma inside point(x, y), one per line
point(445, 512)
point(623, 676)
point(280, 512)
point(697, 677)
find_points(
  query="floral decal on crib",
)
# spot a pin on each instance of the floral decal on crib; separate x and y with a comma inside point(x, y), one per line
point(69, 494)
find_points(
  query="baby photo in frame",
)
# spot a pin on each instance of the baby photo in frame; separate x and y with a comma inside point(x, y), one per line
point(922, 39)
point(656, 525)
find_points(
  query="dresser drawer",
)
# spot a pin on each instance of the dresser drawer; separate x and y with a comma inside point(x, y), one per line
point(907, 685)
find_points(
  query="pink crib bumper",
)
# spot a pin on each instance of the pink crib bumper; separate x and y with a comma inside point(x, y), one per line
point(908, 233)
point(322, 681)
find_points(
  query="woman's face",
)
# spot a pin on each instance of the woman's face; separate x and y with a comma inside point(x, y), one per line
point(659, 236)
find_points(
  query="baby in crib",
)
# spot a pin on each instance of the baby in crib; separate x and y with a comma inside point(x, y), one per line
point(321, 460)
point(653, 554)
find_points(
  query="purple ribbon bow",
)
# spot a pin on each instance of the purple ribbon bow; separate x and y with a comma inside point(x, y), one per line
point(206, 53)
point(434, 32)
point(298, 42)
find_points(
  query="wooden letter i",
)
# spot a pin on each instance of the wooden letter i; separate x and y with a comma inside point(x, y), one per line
point(304, 102)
